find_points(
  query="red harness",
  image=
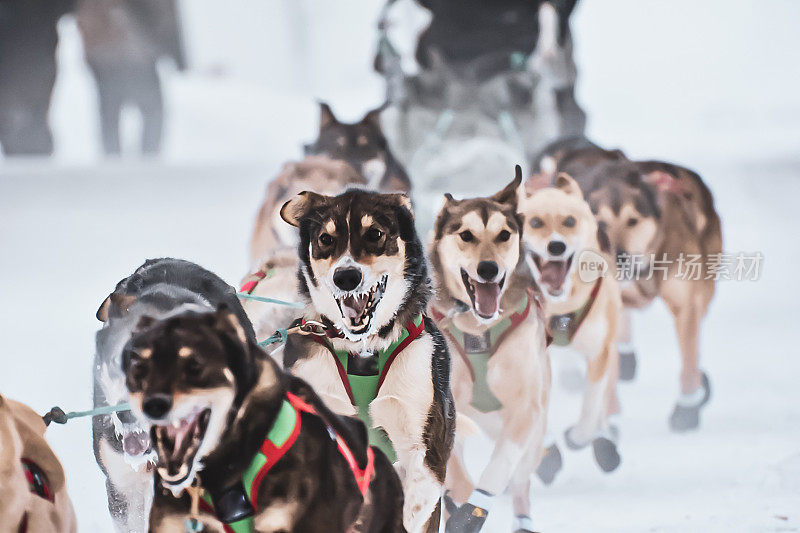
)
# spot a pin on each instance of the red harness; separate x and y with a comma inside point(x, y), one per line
point(252, 280)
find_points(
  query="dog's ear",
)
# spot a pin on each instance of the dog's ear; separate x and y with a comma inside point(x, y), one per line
point(299, 206)
point(115, 304)
point(510, 193)
point(402, 200)
point(602, 238)
point(326, 116)
point(405, 215)
point(373, 118)
point(565, 183)
point(227, 322)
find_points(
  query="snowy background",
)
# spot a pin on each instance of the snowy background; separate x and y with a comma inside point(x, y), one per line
point(713, 85)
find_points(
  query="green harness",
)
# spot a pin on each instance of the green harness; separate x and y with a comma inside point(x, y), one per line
point(476, 350)
point(363, 374)
point(562, 328)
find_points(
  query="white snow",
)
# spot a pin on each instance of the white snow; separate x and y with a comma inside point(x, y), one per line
point(713, 85)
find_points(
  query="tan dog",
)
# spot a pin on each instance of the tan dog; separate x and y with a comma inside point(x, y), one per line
point(664, 231)
point(492, 318)
point(565, 255)
point(33, 488)
point(273, 247)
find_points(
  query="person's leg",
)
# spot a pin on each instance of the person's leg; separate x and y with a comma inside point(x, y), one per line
point(150, 101)
point(110, 98)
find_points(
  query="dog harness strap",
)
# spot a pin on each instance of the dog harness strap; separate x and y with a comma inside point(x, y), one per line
point(476, 351)
point(251, 281)
point(563, 328)
point(281, 437)
point(362, 386)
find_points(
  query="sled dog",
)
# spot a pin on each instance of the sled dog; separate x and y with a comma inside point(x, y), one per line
point(363, 272)
point(122, 446)
point(565, 251)
point(246, 445)
point(490, 312)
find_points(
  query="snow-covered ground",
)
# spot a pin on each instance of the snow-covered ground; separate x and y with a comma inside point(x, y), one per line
point(713, 85)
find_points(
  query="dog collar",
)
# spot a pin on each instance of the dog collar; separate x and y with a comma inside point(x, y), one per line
point(563, 327)
point(236, 511)
point(250, 282)
point(476, 350)
point(362, 376)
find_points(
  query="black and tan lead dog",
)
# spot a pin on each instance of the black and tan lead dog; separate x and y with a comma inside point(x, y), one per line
point(268, 454)
point(362, 267)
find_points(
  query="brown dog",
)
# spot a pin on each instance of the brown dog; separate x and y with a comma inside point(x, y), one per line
point(666, 236)
point(491, 314)
point(33, 488)
point(583, 307)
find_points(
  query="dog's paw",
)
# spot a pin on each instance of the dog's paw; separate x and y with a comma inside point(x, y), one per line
point(466, 519)
point(627, 365)
point(551, 464)
point(686, 414)
point(606, 454)
point(572, 443)
point(524, 524)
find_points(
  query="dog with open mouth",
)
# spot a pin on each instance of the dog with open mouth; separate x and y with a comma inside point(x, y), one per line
point(489, 309)
point(243, 446)
point(566, 250)
point(363, 145)
point(122, 446)
point(666, 237)
point(364, 275)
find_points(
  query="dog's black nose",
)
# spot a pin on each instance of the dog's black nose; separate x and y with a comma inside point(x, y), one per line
point(488, 270)
point(347, 279)
point(556, 247)
point(157, 405)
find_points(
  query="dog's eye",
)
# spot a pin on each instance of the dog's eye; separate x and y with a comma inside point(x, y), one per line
point(466, 236)
point(325, 239)
point(536, 222)
point(569, 222)
point(373, 235)
point(138, 368)
point(504, 235)
point(632, 222)
point(193, 366)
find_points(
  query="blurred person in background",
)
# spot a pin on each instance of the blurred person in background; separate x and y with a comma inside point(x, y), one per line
point(28, 41)
point(123, 41)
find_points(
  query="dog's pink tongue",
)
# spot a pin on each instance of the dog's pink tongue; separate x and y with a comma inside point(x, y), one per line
point(553, 274)
point(136, 443)
point(353, 306)
point(487, 298)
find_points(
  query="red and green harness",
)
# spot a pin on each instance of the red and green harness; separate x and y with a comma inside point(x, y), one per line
point(362, 377)
point(279, 440)
point(476, 350)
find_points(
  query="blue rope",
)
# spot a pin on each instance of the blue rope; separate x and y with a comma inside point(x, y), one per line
point(279, 336)
point(247, 296)
point(57, 415)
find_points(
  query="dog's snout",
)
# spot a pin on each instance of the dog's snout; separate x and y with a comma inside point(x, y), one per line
point(347, 279)
point(556, 247)
point(487, 270)
point(157, 405)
